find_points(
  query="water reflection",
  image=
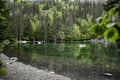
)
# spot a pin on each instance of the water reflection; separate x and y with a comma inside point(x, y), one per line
point(68, 58)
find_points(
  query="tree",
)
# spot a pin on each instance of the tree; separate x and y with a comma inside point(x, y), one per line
point(27, 31)
point(61, 35)
point(110, 4)
point(35, 24)
point(52, 17)
point(75, 32)
point(84, 26)
point(4, 23)
point(108, 25)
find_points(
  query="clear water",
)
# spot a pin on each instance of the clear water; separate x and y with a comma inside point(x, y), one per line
point(70, 58)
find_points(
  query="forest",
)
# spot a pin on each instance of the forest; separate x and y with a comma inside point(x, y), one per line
point(53, 20)
point(82, 26)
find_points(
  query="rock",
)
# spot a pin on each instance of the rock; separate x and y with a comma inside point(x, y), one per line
point(107, 74)
point(52, 72)
point(13, 59)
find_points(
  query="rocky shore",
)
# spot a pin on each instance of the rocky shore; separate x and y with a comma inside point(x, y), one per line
point(19, 71)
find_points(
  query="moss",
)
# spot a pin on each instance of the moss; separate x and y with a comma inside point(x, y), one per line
point(3, 71)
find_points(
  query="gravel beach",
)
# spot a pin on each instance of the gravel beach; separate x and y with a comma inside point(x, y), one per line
point(20, 71)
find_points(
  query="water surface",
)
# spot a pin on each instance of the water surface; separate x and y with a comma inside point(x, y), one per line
point(70, 59)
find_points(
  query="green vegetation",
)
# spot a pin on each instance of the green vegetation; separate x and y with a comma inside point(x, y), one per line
point(45, 21)
point(53, 20)
point(108, 24)
point(3, 71)
point(3, 21)
point(4, 26)
point(59, 21)
point(97, 55)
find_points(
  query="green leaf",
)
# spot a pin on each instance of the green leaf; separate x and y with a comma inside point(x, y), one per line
point(2, 10)
point(118, 23)
point(20, 1)
point(98, 29)
point(110, 25)
point(112, 11)
point(111, 34)
point(24, 2)
point(16, 1)
point(92, 30)
point(105, 18)
point(3, 18)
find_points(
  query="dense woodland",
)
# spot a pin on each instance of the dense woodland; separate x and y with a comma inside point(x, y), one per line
point(53, 20)
point(57, 21)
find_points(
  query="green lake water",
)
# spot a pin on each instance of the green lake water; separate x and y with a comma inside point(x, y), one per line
point(70, 59)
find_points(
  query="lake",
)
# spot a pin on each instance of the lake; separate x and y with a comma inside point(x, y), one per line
point(76, 60)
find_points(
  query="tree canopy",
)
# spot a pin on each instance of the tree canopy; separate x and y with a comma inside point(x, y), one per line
point(51, 21)
point(4, 23)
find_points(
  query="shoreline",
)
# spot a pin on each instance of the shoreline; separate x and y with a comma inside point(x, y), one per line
point(20, 71)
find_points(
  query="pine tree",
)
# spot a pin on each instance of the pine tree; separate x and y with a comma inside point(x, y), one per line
point(3, 20)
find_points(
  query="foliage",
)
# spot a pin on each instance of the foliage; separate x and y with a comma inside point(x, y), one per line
point(107, 25)
point(2, 44)
point(4, 30)
point(3, 71)
point(61, 35)
point(111, 34)
point(84, 26)
point(75, 32)
point(4, 23)
point(110, 4)
point(34, 22)
point(21, 1)
point(51, 21)
point(93, 54)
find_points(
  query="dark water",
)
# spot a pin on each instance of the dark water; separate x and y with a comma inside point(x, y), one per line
point(91, 61)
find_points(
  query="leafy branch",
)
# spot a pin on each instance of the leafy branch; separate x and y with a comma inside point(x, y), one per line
point(107, 26)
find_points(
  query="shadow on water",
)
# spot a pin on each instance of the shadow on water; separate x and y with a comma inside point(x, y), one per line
point(88, 62)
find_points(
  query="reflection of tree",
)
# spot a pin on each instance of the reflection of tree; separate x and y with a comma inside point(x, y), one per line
point(60, 47)
point(34, 56)
point(61, 35)
point(104, 56)
point(92, 54)
point(76, 51)
point(85, 55)
point(97, 54)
